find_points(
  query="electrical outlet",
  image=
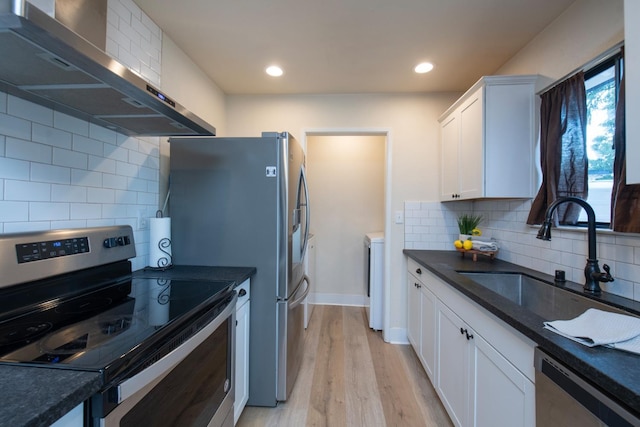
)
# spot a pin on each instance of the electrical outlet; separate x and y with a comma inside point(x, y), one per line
point(143, 221)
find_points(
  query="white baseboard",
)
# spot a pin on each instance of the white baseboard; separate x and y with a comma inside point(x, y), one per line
point(396, 336)
point(338, 299)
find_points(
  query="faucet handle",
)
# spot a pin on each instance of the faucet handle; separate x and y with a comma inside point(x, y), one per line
point(607, 275)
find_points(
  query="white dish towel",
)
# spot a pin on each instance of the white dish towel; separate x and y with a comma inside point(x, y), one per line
point(597, 327)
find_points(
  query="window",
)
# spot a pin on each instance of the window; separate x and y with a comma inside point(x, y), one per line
point(602, 85)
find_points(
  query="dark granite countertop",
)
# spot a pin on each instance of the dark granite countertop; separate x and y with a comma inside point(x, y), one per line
point(38, 396)
point(198, 272)
point(614, 371)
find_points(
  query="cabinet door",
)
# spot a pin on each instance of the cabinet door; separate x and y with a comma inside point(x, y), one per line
point(428, 337)
point(242, 360)
point(471, 155)
point(414, 324)
point(453, 365)
point(450, 138)
point(500, 394)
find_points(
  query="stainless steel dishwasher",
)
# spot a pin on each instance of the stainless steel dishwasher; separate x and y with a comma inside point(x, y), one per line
point(563, 398)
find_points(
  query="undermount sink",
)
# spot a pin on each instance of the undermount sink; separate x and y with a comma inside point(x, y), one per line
point(543, 298)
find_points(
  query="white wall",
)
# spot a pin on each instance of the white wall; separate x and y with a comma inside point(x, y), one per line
point(195, 91)
point(411, 121)
point(346, 180)
point(586, 29)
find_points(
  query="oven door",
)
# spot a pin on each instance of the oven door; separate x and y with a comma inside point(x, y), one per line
point(193, 385)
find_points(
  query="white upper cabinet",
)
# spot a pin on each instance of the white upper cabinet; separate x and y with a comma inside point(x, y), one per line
point(488, 140)
point(632, 82)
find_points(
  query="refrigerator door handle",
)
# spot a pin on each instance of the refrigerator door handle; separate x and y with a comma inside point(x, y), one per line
point(296, 302)
point(307, 212)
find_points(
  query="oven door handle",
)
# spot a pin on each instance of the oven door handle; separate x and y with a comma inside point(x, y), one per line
point(163, 366)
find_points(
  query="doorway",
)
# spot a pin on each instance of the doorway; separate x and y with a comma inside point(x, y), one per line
point(346, 176)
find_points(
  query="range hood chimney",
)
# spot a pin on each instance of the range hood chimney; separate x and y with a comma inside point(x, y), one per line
point(46, 62)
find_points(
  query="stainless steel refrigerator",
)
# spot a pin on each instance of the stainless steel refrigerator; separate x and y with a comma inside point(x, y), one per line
point(244, 202)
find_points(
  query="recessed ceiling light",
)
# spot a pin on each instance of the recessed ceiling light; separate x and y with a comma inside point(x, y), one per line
point(423, 67)
point(274, 71)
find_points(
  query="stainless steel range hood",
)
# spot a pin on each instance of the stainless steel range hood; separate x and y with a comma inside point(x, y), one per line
point(45, 62)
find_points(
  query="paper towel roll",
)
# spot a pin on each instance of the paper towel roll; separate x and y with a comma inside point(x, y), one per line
point(160, 242)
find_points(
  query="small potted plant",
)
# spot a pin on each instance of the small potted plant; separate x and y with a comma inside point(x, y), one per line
point(468, 226)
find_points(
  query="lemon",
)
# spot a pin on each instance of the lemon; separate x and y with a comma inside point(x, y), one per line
point(457, 244)
point(468, 244)
point(476, 232)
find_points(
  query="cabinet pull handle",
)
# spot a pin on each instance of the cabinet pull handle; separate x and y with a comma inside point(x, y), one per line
point(469, 336)
point(417, 285)
point(242, 293)
point(462, 331)
point(418, 271)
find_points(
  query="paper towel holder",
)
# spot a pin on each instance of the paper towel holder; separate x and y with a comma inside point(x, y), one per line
point(165, 261)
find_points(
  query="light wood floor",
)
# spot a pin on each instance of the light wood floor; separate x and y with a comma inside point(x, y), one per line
point(351, 377)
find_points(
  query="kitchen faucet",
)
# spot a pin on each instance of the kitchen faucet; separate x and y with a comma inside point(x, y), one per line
point(592, 273)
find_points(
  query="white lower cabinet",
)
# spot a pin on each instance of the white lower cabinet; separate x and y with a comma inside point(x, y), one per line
point(421, 329)
point(501, 394)
point(481, 368)
point(242, 350)
point(454, 359)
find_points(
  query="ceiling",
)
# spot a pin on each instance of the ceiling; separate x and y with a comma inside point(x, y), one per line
point(350, 46)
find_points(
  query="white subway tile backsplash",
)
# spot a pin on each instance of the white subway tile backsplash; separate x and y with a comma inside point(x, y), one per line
point(87, 145)
point(3, 102)
point(27, 191)
point(14, 169)
point(137, 184)
point(150, 199)
point(11, 211)
point(29, 111)
point(68, 193)
point(51, 136)
point(128, 142)
point(86, 178)
point(71, 159)
point(102, 134)
point(116, 153)
point(48, 211)
point(70, 124)
point(72, 223)
point(15, 127)
point(113, 210)
point(143, 159)
point(151, 174)
point(149, 147)
point(101, 195)
point(26, 150)
point(101, 164)
point(506, 222)
point(86, 211)
point(23, 227)
point(126, 197)
point(114, 181)
point(126, 169)
point(120, 10)
point(50, 173)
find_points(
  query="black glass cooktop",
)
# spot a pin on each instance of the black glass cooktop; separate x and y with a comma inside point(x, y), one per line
point(105, 326)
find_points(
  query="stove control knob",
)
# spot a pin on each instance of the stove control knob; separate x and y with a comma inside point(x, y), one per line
point(120, 241)
point(110, 242)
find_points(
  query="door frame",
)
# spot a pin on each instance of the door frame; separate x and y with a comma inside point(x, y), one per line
point(372, 131)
